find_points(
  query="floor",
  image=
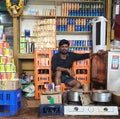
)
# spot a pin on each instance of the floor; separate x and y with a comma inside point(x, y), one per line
point(30, 110)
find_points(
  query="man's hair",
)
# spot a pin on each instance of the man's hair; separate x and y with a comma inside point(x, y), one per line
point(64, 41)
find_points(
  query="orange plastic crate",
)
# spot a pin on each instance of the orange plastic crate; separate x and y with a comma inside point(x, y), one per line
point(64, 88)
point(43, 53)
point(81, 70)
point(42, 78)
point(43, 71)
point(42, 57)
point(83, 78)
point(82, 63)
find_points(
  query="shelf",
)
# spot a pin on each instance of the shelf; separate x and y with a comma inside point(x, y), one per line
point(80, 46)
point(44, 17)
point(82, 1)
point(76, 16)
point(72, 33)
point(25, 56)
point(35, 17)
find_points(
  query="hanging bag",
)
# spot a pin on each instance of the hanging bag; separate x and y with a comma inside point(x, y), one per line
point(117, 28)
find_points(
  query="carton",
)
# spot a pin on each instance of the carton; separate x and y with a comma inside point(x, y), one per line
point(10, 84)
point(51, 99)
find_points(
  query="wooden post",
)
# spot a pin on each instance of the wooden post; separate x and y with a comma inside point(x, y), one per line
point(108, 16)
point(16, 32)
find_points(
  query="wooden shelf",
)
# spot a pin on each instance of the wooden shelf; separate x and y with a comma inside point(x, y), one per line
point(25, 56)
point(80, 46)
point(42, 17)
point(76, 16)
point(35, 17)
point(72, 33)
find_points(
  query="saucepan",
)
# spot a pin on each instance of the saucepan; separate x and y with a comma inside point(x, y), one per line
point(101, 96)
point(74, 95)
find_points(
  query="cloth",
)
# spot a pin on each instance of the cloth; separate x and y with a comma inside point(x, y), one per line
point(117, 28)
point(68, 62)
point(66, 79)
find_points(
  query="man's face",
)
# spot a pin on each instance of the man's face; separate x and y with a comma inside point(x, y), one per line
point(64, 49)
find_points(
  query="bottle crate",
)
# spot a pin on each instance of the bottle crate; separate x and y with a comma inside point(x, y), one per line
point(42, 57)
point(38, 92)
point(10, 97)
point(42, 71)
point(64, 87)
point(51, 110)
point(82, 63)
point(10, 110)
point(41, 78)
point(81, 71)
point(83, 79)
point(10, 102)
point(40, 87)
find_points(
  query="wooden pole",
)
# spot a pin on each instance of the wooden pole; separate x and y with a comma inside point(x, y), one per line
point(16, 32)
point(108, 16)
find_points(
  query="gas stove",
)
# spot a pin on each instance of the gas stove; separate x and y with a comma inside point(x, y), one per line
point(87, 107)
point(90, 110)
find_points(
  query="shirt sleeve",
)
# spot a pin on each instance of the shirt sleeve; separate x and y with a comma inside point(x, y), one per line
point(77, 56)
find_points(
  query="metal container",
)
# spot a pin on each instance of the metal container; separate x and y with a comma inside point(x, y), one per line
point(116, 98)
point(101, 96)
point(73, 96)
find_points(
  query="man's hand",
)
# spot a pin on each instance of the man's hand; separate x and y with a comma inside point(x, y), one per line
point(71, 73)
point(100, 52)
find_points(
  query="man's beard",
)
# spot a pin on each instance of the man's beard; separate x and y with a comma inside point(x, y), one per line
point(64, 52)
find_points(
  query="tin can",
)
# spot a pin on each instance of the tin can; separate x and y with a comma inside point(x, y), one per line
point(9, 60)
point(3, 60)
point(6, 52)
point(8, 75)
point(3, 76)
point(2, 68)
point(13, 75)
point(1, 45)
point(6, 45)
point(4, 37)
point(12, 68)
point(8, 68)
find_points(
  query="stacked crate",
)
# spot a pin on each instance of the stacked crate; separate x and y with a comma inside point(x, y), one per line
point(42, 66)
point(82, 69)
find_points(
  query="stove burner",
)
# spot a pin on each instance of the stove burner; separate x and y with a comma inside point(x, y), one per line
point(74, 103)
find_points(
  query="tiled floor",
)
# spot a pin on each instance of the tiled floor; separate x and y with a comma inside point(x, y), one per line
point(32, 112)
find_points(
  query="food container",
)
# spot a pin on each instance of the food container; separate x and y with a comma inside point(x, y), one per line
point(116, 98)
point(101, 96)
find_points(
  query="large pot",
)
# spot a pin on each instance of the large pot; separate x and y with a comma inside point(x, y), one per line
point(101, 96)
point(116, 98)
point(73, 96)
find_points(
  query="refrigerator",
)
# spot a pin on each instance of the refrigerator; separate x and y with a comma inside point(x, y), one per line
point(113, 71)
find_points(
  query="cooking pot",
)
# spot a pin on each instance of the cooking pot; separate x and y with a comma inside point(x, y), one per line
point(101, 96)
point(73, 96)
point(116, 98)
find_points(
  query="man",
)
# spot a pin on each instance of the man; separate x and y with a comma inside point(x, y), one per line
point(62, 64)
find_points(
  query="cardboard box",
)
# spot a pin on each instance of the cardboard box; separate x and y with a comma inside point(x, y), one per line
point(51, 99)
point(10, 84)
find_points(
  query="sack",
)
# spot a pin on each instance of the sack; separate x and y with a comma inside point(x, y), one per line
point(99, 68)
point(117, 28)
